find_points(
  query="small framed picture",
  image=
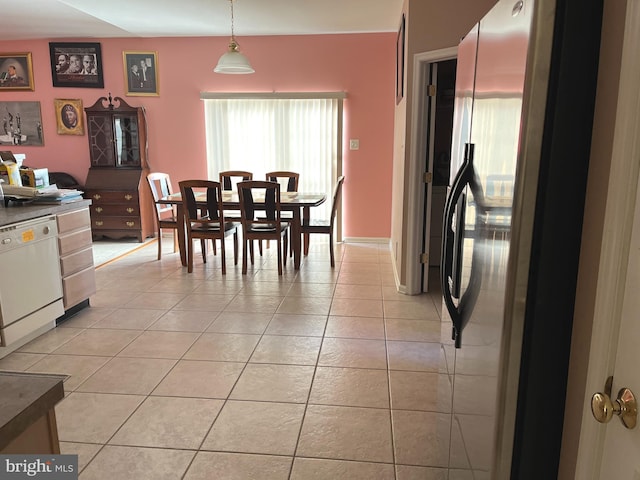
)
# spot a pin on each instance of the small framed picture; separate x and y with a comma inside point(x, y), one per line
point(16, 71)
point(21, 124)
point(141, 73)
point(69, 116)
point(400, 61)
point(76, 65)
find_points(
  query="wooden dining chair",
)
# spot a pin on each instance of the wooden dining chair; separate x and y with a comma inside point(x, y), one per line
point(325, 226)
point(160, 185)
point(266, 226)
point(210, 225)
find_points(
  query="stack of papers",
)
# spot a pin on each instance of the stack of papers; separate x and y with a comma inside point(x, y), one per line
point(50, 194)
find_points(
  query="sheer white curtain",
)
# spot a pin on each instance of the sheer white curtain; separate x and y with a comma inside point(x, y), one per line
point(268, 134)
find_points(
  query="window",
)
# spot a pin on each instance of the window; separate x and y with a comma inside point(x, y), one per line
point(262, 133)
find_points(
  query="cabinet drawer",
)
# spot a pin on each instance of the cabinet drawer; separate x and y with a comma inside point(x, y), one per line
point(110, 196)
point(115, 223)
point(70, 221)
point(78, 287)
point(77, 261)
point(74, 241)
point(104, 210)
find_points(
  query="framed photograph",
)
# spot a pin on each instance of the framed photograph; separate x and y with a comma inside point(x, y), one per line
point(141, 73)
point(16, 71)
point(76, 65)
point(400, 62)
point(69, 116)
point(21, 124)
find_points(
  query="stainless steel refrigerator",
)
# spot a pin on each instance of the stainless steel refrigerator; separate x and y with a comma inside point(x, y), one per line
point(525, 88)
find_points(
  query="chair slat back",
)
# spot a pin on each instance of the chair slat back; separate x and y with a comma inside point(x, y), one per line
point(160, 185)
point(337, 195)
point(230, 178)
point(285, 179)
point(268, 193)
point(193, 206)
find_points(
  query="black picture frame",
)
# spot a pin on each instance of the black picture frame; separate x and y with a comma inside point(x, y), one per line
point(400, 61)
point(65, 70)
point(141, 83)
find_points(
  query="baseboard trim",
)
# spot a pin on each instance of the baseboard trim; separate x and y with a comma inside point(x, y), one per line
point(376, 240)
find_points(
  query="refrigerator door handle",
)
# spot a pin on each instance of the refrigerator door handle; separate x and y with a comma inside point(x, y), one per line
point(451, 262)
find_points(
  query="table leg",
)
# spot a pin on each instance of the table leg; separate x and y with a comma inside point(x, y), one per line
point(182, 235)
point(295, 238)
point(305, 219)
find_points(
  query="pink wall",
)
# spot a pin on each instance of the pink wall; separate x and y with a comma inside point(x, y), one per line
point(361, 65)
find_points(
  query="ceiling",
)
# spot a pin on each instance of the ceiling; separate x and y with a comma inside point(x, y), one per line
point(69, 19)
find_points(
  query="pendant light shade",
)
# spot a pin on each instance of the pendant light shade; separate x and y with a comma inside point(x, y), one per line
point(233, 61)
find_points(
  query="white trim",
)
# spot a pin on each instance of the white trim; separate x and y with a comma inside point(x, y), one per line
point(621, 195)
point(271, 95)
point(418, 151)
point(379, 240)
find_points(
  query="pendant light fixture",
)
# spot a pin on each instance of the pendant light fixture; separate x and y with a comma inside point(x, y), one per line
point(233, 61)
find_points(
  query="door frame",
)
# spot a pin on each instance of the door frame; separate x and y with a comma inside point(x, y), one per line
point(620, 205)
point(417, 154)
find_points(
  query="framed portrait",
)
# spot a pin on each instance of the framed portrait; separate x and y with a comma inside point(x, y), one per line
point(21, 124)
point(76, 65)
point(141, 73)
point(69, 116)
point(16, 71)
point(400, 62)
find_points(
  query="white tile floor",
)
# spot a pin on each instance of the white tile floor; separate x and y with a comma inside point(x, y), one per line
point(319, 374)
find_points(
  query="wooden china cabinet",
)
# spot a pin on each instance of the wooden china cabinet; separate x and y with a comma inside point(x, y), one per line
point(116, 183)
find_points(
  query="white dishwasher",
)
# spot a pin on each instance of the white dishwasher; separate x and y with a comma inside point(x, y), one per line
point(30, 284)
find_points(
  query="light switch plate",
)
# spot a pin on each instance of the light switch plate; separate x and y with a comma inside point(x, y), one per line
point(354, 144)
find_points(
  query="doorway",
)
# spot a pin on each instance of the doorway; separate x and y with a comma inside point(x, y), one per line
point(440, 102)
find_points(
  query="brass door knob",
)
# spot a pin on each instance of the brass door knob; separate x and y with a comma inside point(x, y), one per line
point(625, 406)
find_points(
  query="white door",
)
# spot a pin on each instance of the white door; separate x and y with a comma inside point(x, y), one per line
point(612, 451)
point(621, 453)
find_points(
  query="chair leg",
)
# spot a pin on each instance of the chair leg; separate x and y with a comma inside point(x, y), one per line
point(280, 257)
point(203, 247)
point(251, 250)
point(306, 244)
point(189, 256)
point(222, 254)
point(159, 243)
point(244, 255)
point(285, 247)
point(235, 248)
point(260, 247)
point(333, 262)
point(176, 247)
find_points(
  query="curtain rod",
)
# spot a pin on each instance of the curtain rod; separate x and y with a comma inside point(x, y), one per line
point(268, 95)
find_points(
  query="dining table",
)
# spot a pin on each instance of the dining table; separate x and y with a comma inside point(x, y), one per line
point(299, 203)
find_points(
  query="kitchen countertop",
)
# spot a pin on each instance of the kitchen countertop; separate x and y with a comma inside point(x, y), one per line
point(26, 211)
point(24, 398)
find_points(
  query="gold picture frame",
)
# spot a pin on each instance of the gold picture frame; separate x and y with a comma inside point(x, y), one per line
point(69, 116)
point(16, 71)
point(141, 73)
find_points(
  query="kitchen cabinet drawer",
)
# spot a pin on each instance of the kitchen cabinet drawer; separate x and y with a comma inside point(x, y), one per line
point(77, 261)
point(70, 221)
point(115, 223)
point(74, 241)
point(115, 210)
point(78, 287)
point(111, 197)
